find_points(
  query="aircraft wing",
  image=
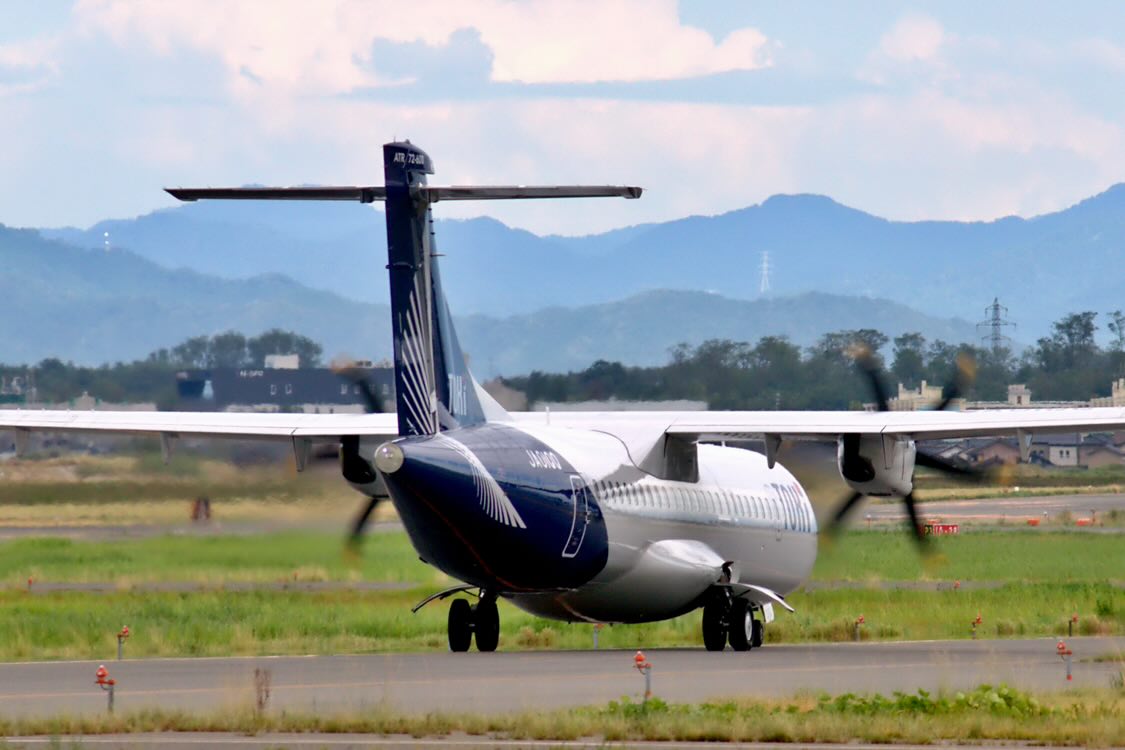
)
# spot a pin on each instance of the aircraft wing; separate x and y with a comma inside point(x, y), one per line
point(827, 425)
point(697, 425)
point(235, 425)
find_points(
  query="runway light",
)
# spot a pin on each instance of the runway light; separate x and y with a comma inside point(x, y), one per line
point(1065, 654)
point(103, 680)
point(645, 669)
point(122, 635)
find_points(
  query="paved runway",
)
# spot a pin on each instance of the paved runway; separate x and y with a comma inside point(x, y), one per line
point(1014, 510)
point(491, 683)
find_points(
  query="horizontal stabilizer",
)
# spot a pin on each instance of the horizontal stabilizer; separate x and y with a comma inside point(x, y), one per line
point(431, 194)
point(501, 192)
point(361, 194)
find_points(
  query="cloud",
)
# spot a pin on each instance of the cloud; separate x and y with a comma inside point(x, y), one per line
point(327, 47)
point(911, 50)
point(27, 66)
point(230, 93)
point(912, 39)
point(460, 67)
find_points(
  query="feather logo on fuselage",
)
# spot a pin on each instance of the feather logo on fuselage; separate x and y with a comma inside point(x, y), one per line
point(491, 497)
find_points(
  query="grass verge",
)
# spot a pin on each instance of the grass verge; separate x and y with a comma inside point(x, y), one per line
point(1040, 578)
point(80, 625)
point(1037, 556)
point(1088, 718)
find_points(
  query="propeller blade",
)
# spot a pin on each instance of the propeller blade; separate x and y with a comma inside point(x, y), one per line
point(865, 360)
point(359, 525)
point(964, 374)
point(915, 523)
point(948, 467)
point(846, 507)
point(357, 377)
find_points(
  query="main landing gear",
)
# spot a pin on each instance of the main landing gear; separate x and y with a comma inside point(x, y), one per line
point(481, 620)
point(726, 619)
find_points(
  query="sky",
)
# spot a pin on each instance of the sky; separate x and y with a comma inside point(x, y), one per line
point(908, 110)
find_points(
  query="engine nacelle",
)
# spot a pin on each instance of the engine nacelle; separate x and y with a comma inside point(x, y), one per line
point(358, 470)
point(876, 464)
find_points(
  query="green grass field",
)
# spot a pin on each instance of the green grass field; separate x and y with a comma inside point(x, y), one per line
point(1040, 579)
point(1089, 718)
point(285, 556)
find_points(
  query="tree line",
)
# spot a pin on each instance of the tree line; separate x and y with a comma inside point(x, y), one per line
point(154, 377)
point(772, 373)
point(775, 373)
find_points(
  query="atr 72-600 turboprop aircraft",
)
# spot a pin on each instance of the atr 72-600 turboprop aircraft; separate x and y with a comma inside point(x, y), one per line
point(598, 517)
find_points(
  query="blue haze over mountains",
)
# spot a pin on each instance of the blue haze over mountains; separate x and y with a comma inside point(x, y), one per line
point(833, 267)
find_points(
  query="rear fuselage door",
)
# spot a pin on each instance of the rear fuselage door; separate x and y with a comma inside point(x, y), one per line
point(581, 497)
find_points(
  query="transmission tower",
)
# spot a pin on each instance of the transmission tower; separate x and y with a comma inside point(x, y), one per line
point(994, 325)
point(764, 286)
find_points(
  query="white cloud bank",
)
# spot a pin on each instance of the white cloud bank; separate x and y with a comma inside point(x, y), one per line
point(234, 92)
point(326, 46)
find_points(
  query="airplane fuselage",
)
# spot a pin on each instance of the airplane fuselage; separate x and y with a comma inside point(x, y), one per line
point(565, 525)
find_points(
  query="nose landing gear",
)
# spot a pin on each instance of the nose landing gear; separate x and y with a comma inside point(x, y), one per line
point(481, 620)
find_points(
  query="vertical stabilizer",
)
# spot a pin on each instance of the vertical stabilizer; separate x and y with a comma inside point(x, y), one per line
point(433, 387)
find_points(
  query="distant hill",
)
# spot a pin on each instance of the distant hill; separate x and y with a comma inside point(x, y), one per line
point(640, 330)
point(1041, 268)
point(91, 307)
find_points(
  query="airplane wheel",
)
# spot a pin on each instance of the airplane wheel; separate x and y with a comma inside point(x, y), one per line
point(460, 625)
point(759, 634)
point(741, 629)
point(487, 620)
point(714, 629)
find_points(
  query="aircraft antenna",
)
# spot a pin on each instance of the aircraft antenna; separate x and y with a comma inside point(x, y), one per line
point(764, 285)
point(994, 324)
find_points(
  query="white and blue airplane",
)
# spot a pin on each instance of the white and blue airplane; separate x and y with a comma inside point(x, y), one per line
point(595, 517)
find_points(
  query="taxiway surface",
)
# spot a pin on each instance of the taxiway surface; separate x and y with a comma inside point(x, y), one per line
point(500, 682)
point(1015, 510)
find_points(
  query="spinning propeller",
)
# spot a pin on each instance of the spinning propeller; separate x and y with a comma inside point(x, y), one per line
point(858, 468)
point(354, 467)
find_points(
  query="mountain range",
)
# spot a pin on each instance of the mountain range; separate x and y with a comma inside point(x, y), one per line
point(93, 306)
point(526, 302)
point(1040, 268)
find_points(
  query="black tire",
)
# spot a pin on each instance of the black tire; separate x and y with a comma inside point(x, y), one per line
point(487, 626)
point(714, 629)
point(759, 634)
point(740, 630)
point(460, 625)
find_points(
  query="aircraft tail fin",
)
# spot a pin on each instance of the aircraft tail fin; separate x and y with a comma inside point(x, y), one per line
point(434, 389)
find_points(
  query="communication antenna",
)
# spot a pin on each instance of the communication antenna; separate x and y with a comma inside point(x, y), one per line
point(994, 324)
point(764, 286)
